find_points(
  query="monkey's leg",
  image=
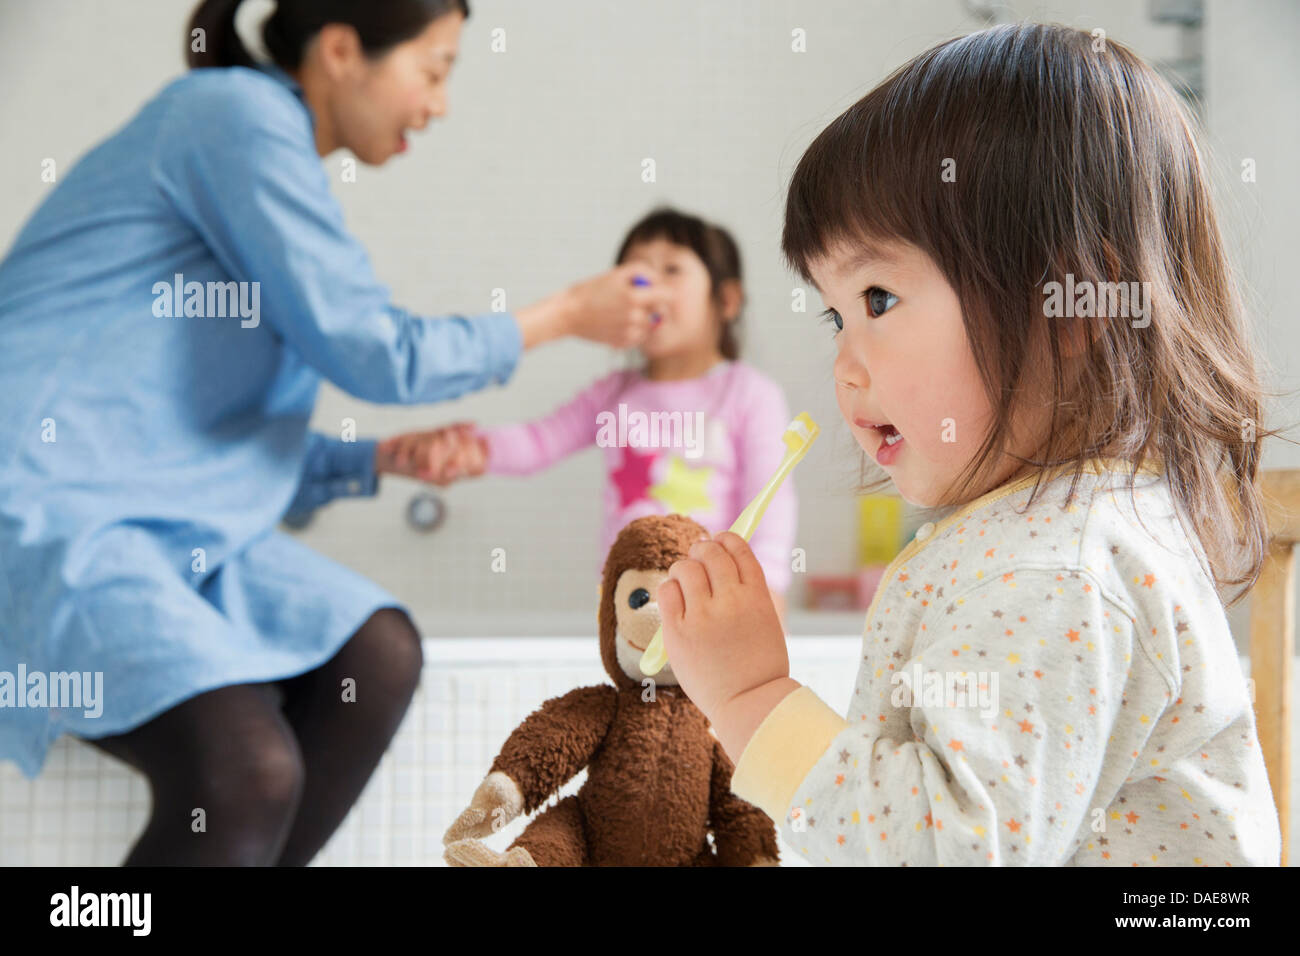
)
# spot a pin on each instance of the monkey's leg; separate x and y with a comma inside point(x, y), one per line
point(556, 837)
point(706, 857)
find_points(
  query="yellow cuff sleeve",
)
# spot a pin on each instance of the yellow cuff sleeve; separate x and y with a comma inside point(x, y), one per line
point(786, 745)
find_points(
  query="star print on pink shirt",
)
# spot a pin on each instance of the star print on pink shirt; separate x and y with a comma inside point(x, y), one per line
point(632, 477)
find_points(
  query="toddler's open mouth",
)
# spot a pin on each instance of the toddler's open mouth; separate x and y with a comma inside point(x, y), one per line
point(891, 444)
point(887, 431)
point(890, 437)
point(890, 434)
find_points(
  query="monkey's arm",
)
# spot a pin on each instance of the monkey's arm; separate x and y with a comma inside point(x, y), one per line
point(743, 835)
point(555, 741)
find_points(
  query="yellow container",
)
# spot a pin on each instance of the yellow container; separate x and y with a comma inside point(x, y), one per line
point(880, 529)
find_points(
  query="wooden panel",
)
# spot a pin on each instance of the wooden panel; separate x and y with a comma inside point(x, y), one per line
point(1281, 491)
point(1272, 636)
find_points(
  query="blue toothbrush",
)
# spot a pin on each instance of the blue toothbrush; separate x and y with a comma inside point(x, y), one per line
point(643, 281)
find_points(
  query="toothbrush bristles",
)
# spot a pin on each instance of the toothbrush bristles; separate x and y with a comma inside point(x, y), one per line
point(800, 431)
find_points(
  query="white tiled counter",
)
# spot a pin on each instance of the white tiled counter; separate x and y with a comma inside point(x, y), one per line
point(86, 808)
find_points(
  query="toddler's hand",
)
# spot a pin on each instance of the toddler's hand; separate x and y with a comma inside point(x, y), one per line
point(468, 456)
point(721, 631)
point(440, 456)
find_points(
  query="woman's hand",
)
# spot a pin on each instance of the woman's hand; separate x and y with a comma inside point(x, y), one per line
point(724, 638)
point(440, 456)
point(608, 309)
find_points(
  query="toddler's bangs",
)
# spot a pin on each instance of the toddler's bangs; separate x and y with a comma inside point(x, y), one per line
point(867, 179)
point(986, 152)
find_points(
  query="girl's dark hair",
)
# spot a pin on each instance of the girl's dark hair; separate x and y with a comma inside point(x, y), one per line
point(1071, 156)
point(712, 244)
point(381, 25)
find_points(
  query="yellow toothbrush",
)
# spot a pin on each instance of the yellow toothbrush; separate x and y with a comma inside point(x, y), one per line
point(799, 436)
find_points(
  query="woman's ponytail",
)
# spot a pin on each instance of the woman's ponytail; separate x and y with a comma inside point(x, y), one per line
point(213, 41)
point(212, 38)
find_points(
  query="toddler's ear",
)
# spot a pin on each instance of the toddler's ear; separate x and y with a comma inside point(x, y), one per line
point(731, 297)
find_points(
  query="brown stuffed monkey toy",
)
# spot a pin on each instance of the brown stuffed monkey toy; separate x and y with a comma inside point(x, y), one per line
point(658, 782)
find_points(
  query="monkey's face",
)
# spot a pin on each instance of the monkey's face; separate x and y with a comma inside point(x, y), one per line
point(637, 613)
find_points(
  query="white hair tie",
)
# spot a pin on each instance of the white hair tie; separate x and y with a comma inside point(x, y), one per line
point(249, 18)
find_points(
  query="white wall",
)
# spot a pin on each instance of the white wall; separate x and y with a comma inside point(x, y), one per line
point(531, 180)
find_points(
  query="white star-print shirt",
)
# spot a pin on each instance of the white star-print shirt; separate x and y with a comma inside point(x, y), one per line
point(1040, 684)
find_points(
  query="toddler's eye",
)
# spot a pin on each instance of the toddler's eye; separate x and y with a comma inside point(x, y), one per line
point(878, 300)
point(830, 315)
point(638, 598)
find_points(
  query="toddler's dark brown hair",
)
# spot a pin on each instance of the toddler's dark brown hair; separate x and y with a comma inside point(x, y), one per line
point(1068, 156)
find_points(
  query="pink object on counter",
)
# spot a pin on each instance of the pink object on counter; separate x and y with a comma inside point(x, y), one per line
point(868, 583)
point(843, 592)
point(831, 592)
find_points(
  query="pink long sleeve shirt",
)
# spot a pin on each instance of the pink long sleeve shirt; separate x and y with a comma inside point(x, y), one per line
point(701, 447)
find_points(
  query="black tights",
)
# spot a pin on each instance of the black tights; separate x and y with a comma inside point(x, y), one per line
point(273, 780)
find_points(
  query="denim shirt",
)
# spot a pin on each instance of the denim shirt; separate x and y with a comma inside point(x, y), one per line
point(167, 314)
point(333, 468)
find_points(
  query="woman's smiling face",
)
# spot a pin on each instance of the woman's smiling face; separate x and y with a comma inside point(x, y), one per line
point(373, 103)
point(904, 366)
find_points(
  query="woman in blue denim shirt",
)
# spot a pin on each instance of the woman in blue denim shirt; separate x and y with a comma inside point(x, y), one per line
point(166, 316)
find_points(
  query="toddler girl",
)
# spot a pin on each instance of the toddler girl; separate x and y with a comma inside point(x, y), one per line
point(1047, 674)
point(694, 430)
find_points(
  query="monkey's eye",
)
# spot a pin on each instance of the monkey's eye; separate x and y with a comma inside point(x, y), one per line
point(638, 598)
